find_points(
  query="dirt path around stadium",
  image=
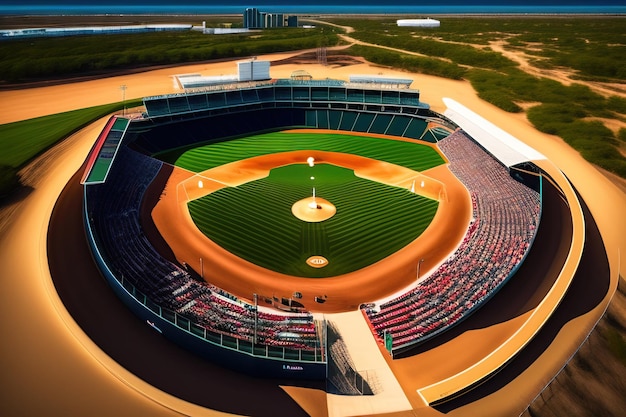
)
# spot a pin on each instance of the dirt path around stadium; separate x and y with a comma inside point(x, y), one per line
point(52, 390)
point(344, 292)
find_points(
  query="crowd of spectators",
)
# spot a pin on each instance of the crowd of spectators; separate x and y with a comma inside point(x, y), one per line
point(506, 215)
point(114, 214)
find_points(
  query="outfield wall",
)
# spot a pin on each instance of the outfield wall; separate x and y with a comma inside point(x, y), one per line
point(165, 133)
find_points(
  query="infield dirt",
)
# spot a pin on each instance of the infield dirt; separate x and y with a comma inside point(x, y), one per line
point(342, 293)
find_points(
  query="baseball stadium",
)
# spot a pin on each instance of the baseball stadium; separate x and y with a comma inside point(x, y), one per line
point(322, 245)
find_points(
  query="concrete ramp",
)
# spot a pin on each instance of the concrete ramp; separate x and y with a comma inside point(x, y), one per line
point(368, 361)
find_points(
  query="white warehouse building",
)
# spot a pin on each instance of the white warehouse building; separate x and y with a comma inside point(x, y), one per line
point(250, 70)
point(421, 23)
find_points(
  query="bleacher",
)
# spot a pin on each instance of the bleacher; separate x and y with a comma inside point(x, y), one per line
point(213, 114)
point(506, 215)
point(101, 155)
point(114, 213)
point(215, 127)
point(283, 90)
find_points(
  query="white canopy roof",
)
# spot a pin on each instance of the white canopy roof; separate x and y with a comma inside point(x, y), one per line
point(506, 148)
point(424, 23)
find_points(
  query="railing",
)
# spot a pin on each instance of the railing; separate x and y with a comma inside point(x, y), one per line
point(184, 324)
point(223, 340)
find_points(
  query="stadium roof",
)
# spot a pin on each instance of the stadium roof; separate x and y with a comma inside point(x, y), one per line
point(506, 148)
point(196, 81)
point(327, 82)
point(372, 79)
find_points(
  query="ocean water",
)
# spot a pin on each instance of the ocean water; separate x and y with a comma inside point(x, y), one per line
point(346, 7)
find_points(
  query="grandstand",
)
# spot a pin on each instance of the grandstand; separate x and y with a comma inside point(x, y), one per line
point(170, 295)
point(104, 150)
point(506, 211)
point(506, 216)
point(179, 120)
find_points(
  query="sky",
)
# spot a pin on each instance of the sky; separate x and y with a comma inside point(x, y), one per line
point(317, 2)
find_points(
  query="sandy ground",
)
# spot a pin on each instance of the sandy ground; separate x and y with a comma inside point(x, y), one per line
point(67, 355)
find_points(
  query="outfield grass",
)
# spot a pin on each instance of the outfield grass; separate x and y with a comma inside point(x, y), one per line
point(22, 141)
point(254, 220)
point(411, 155)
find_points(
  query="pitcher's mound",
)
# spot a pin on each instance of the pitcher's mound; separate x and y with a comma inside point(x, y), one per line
point(310, 210)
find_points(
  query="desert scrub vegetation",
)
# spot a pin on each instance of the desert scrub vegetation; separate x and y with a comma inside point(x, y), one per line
point(590, 49)
point(412, 63)
point(25, 60)
point(461, 54)
point(593, 47)
point(560, 110)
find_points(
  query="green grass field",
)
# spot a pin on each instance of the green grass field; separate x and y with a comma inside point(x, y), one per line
point(24, 140)
point(407, 154)
point(255, 222)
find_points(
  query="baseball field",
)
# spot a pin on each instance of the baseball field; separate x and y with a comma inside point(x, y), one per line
point(392, 202)
point(133, 395)
point(373, 220)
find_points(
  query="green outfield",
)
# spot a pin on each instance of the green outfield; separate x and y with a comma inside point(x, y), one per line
point(254, 220)
point(413, 155)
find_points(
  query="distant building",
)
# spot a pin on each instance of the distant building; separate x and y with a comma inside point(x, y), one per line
point(273, 20)
point(420, 23)
point(224, 29)
point(292, 21)
point(248, 70)
point(252, 18)
point(253, 70)
point(255, 19)
point(89, 30)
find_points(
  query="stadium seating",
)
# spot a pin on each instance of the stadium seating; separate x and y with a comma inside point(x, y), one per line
point(114, 213)
point(210, 116)
point(505, 212)
point(505, 218)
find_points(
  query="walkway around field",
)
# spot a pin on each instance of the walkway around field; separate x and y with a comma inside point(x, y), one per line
point(368, 359)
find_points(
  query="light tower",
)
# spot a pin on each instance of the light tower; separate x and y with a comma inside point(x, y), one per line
point(123, 88)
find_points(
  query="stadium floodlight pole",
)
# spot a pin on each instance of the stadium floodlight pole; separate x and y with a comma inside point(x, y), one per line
point(256, 317)
point(419, 264)
point(123, 88)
